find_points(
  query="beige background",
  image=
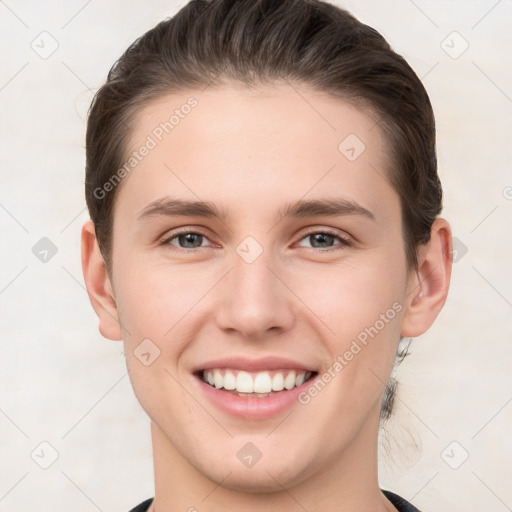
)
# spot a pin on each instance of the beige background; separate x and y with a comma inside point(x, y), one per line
point(63, 384)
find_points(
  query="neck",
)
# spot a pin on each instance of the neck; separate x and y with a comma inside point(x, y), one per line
point(348, 482)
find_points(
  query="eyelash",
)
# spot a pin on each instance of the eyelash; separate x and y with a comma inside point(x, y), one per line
point(345, 242)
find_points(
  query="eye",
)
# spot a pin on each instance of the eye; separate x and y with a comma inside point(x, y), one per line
point(321, 239)
point(185, 240)
point(189, 240)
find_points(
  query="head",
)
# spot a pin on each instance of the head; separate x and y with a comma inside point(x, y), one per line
point(249, 108)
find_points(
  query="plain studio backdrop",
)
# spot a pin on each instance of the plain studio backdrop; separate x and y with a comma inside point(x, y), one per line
point(73, 436)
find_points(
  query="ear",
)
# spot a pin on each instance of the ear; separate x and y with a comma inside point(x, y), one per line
point(428, 286)
point(99, 287)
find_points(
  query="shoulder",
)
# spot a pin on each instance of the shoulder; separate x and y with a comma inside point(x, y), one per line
point(400, 504)
point(142, 507)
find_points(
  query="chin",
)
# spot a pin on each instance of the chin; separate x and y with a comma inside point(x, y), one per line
point(262, 480)
point(268, 475)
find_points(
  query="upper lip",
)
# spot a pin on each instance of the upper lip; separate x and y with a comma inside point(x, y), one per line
point(254, 365)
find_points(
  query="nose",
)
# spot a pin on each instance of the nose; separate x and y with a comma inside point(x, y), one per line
point(255, 298)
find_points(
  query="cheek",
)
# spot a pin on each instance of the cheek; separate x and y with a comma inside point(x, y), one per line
point(351, 295)
point(155, 306)
point(340, 298)
point(155, 299)
point(360, 310)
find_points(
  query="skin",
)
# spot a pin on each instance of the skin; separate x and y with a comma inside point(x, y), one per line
point(251, 152)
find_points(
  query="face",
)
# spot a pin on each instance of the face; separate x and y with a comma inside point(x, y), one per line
point(292, 268)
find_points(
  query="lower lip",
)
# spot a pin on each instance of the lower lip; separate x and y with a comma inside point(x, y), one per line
point(253, 408)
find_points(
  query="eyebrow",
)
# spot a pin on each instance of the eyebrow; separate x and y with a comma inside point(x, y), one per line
point(168, 206)
point(180, 207)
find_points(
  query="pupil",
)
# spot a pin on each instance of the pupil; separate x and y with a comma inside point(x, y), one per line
point(322, 237)
point(188, 238)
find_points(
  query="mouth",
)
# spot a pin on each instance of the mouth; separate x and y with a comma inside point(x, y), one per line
point(251, 384)
point(253, 389)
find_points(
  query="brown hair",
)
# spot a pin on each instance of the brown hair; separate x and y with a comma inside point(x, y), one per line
point(251, 42)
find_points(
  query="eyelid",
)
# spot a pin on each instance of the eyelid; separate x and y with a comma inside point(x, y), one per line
point(166, 239)
point(345, 240)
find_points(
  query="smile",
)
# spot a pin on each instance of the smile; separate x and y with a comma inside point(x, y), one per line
point(261, 384)
point(254, 389)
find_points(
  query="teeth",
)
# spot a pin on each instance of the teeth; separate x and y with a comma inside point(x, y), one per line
point(301, 377)
point(218, 379)
point(289, 382)
point(261, 384)
point(278, 382)
point(244, 382)
point(229, 381)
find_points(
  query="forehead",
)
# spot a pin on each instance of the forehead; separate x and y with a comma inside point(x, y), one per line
point(271, 142)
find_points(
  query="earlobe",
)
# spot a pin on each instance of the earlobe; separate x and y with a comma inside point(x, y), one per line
point(99, 287)
point(428, 286)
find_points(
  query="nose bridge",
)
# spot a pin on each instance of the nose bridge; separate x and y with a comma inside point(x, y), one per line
point(254, 300)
